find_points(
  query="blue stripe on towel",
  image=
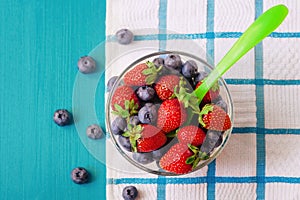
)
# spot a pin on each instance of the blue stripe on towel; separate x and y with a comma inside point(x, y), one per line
point(162, 15)
point(201, 180)
point(162, 36)
point(260, 114)
point(211, 172)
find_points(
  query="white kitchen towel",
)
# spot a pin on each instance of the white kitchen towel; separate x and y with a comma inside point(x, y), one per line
point(261, 159)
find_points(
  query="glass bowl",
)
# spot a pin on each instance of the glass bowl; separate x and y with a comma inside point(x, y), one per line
point(149, 164)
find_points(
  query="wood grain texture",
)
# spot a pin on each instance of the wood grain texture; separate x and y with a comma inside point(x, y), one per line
point(40, 43)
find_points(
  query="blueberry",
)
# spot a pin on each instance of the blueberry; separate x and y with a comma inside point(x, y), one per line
point(124, 36)
point(118, 125)
point(158, 62)
point(148, 114)
point(86, 65)
point(189, 69)
point(134, 120)
point(220, 102)
point(143, 158)
point(79, 175)
point(111, 83)
point(200, 76)
point(129, 193)
point(94, 131)
point(210, 141)
point(62, 117)
point(157, 154)
point(125, 142)
point(219, 142)
point(173, 61)
point(145, 93)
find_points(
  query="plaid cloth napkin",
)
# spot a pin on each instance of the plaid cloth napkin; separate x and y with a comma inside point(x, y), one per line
point(261, 160)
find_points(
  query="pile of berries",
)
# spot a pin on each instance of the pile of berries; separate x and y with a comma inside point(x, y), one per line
point(157, 116)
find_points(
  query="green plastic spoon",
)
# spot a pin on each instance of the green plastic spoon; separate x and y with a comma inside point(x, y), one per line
point(257, 31)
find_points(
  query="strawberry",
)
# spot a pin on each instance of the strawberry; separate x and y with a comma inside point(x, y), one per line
point(124, 98)
point(142, 74)
point(213, 117)
point(164, 87)
point(145, 137)
point(212, 94)
point(171, 114)
point(175, 160)
point(191, 135)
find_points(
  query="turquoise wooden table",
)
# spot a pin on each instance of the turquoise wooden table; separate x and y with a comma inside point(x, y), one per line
point(40, 43)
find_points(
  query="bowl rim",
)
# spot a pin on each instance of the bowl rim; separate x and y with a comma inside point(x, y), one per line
point(216, 152)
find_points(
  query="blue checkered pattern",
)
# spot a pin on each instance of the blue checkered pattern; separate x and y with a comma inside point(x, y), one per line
point(260, 130)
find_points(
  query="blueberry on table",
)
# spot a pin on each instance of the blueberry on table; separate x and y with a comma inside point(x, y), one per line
point(148, 113)
point(129, 193)
point(125, 143)
point(143, 158)
point(189, 69)
point(145, 93)
point(173, 61)
point(79, 175)
point(86, 65)
point(124, 36)
point(118, 125)
point(62, 117)
point(110, 83)
point(94, 131)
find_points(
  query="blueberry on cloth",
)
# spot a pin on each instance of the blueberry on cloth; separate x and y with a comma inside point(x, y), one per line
point(79, 175)
point(118, 125)
point(62, 117)
point(129, 193)
point(124, 36)
point(148, 113)
point(125, 142)
point(145, 93)
point(173, 61)
point(86, 65)
point(189, 69)
point(110, 83)
point(143, 158)
point(94, 131)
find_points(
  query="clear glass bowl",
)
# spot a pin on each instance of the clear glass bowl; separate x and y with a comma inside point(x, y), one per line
point(153, 167)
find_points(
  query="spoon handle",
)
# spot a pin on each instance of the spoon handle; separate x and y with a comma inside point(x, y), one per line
point(256, 32)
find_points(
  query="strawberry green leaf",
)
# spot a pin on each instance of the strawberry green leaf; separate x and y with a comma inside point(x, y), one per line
point(194, 149)
point(133, 144)
point(203, 155)
point(190, 159)
point(196, 162)
point(171, 134)
point(137, 136)
point(126, 134)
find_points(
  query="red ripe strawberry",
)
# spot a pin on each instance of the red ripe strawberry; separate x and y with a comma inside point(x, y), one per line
point(175, 160)
point(151, 139)
point(191, 135)
point(214, 117)
point(212, 94)
point(141, 74)
point(171, 114)
point(164, 87)
point(121, 95)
